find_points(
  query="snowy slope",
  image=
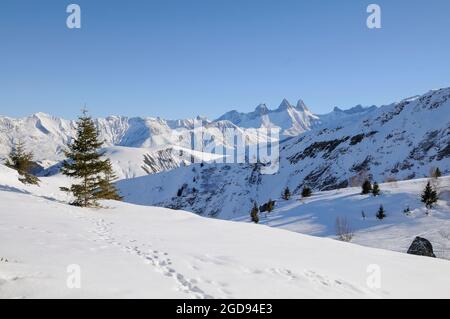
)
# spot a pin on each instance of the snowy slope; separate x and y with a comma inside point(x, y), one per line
point(147, 252)
point(317, 216)
point(212, 194)
point(401, 141)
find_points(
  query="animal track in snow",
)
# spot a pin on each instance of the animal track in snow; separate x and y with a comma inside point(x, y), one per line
point(156, 258)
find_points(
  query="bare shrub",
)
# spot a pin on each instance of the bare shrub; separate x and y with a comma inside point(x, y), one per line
point(358, 179)
point(344, 232)
point(392, 181)
point(435, 172)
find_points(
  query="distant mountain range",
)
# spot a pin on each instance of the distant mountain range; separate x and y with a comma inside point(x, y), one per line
point(48, 136)
point(400, 141)
point(403, 140)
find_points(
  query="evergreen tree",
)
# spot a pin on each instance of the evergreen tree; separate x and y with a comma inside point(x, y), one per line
point(437, 173)
point(366, 187)
point(306, 192)
point(429, 196)
point(381, 213)
point(106, 187)
point(254, 214)
point(22, 162)
point(376, 189)
point(286, 194)
point(84, 163)
point(270, 205)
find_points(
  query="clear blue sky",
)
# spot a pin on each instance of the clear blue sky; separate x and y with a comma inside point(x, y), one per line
point(177, 59)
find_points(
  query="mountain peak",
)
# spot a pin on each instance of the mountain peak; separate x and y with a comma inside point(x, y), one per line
point(301, 106)
point(261, 109)
point(40, 115)
point(284, 105)
point(356, 109)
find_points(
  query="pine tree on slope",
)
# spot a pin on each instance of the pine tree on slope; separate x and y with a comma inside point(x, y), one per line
point(376, 189)
point(306, 192)
point(107, 189)
point(429, 196)
point(270, 205)
point(366, 187)
point(22, 162)
point(286, 194)
point(84, 163)
point(254, 214)
point(381, 213)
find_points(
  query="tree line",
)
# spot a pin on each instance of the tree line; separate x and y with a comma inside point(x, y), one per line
point(429, 197)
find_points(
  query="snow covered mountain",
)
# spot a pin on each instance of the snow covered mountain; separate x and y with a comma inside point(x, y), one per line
point(400, 141)
point(340, 117)
point(291, 120)
point(129, 251)
point(48, 136)
point(149, 141)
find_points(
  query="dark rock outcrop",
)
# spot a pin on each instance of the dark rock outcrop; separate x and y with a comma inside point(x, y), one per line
point(421, 247)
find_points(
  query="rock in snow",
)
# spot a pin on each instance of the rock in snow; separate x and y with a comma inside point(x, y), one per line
point(421, 247)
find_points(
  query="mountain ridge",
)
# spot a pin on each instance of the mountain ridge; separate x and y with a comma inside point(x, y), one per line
point(401, 141)
point(47, 135)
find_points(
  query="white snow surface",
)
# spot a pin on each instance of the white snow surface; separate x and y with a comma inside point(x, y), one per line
point(130, 251)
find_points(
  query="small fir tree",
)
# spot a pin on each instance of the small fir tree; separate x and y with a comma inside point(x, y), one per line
point(376, 189)
point(381, 214)
point(106, 187)
point(22, 161)
point(254, 213)
point(286, 194)
point(366, 187)
point(438, 172)
point(270, 206)
point(84, 163)
point(429, 196)
point(306, 192)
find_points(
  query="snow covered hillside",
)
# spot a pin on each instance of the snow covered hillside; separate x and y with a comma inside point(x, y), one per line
point(314, 216)
point(147, 252)
point(402, 141)
point(406, 216)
